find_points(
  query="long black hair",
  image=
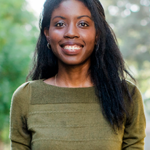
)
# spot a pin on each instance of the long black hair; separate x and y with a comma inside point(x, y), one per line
point(107, 67)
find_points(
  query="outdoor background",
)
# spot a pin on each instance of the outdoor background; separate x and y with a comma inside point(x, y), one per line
point(19, 31)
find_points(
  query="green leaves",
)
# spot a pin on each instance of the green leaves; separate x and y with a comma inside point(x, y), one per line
point(130, 20)
point(18, 36)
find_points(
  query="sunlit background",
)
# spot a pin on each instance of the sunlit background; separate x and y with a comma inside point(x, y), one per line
point(35, 6)
point(130, 19)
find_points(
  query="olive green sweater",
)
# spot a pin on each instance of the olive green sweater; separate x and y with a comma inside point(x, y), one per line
point(46, 117)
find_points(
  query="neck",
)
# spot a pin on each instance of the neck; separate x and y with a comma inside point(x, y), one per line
point(73, 76)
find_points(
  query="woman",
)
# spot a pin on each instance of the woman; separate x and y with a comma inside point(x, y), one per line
point(79, 98)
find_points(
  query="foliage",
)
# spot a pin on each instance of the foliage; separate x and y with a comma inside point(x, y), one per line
point(130, 20)
point(18, 36)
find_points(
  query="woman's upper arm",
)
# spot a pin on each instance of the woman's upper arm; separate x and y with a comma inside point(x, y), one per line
point(134, 132)
point(19, 135)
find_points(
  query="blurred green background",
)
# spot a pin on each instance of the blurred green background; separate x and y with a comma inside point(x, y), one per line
point(19, 31)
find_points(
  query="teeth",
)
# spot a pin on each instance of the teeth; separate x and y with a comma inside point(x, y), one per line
point(72, 47)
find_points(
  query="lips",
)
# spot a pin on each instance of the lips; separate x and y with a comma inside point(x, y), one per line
point(71, 45)
point(71, 48)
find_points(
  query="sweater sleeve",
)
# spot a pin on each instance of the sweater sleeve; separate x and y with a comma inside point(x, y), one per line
point(19, 134)
point(134, 132)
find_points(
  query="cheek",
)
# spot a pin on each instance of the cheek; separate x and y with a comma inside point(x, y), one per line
point(55, 37)
point(90, 43)
point(89, 37)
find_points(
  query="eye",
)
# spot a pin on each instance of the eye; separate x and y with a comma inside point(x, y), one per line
point(59, 24)
point(83, 24)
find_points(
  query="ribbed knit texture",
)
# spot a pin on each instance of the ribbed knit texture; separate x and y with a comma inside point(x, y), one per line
point(46, 117)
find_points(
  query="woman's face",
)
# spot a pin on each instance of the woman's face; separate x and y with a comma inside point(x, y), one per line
point(72, 32)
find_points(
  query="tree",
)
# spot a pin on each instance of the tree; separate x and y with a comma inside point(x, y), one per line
point(18, 35)
point(130, 20)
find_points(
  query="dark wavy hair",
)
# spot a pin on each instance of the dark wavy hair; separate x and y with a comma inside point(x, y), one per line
point(107, 67)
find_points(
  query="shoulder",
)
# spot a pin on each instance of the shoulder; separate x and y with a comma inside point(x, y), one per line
point(25, 87)
point(24, 91)
point(135, 107)
point(133, 90)
point(136, 102)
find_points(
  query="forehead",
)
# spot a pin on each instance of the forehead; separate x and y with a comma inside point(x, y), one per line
point(71, 8)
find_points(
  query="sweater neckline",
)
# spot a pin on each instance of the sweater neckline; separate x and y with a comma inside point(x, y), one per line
point(50, 94)
point(59, 87)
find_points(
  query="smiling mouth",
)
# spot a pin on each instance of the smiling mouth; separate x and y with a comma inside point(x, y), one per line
point(72, 48)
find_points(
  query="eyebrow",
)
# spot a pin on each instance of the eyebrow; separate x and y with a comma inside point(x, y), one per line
point(77, 17)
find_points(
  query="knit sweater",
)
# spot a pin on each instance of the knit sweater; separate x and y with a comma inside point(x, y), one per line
point(47, 117)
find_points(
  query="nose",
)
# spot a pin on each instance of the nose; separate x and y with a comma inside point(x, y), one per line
point(71, 31)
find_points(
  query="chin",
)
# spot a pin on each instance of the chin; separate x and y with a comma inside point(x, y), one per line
point(72, 63)
point(75, 62)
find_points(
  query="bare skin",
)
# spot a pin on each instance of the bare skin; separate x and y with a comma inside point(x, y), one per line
point(71, 28)
point(71, 76)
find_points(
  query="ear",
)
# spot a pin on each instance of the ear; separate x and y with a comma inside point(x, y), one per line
point(46, 33)
point(96, 39)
